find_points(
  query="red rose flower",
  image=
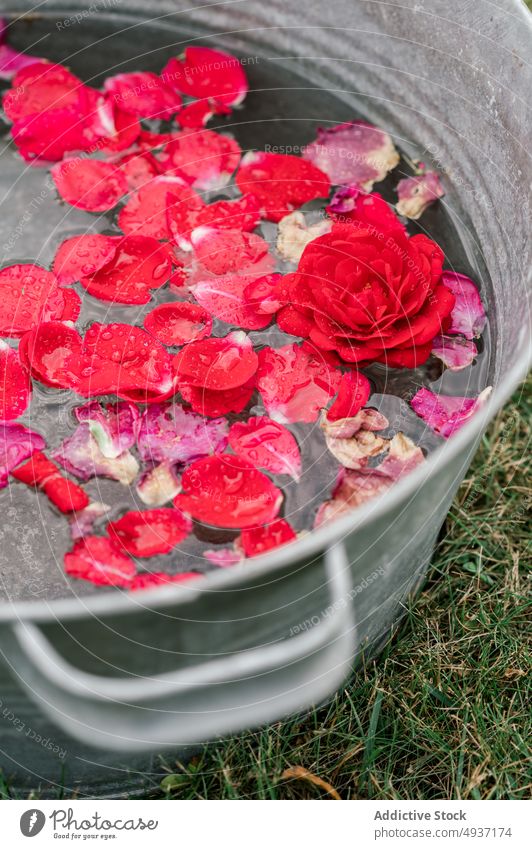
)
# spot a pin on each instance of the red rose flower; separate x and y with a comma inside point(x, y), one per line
point(369, 294)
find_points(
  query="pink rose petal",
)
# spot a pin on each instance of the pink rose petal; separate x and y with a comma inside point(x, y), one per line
point(455, 352)
point(365, 419)
point(184, 216)
point(446, 414)
point(17, 443)
point(124, 360)
point(355, 152)
point(213, 403)
point(468, 316)
point(81, 455)
point(82, 523)
point(114, 426)
point(170, 434)
point(138, 169)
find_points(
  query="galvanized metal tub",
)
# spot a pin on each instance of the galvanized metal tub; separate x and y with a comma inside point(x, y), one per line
point(92, 688)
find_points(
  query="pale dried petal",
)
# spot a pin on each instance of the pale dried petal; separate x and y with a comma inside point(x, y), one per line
point(355, 452)
point(455, 352)
point(365, 419)
point(294, 234)
point(417, 193)
point(159, 485)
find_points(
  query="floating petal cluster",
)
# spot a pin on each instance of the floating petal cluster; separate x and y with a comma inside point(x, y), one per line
point(232, 345)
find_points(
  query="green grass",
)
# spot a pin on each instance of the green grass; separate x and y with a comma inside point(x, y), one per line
point(444, 712)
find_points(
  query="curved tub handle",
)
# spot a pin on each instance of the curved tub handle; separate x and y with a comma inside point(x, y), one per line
point(195, 703)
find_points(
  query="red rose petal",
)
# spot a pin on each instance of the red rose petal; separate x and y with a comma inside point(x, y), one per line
point(212, 404)
point(53, 113)
point(178, 323)
point(406, 357)
point(36, 471)
point(240, 214)
point(153, 141)
point(43, 474)
point(139, 264)
point(138, 169)
point(89, 184)
point(261, 294)
point(197, 115)
point(52, 353)
point(204, 72)
point(294, 383)
point(205, 159)
point(349, 204)
point(97, 559)
point(83, 255)
point(29, 295)
point(125, 360)
point(267, 444)
point(257, 541)
point(145, 211)
point(50, 135)
point(353, 393)
point(280, 183)
point(15, 384)
point(39, 87)
point(72, 307)
point(120, 129)
point(227, 251)
point(143, 94)
point(66, 495)
point(228, 492)
point(224, 298)
point(217, 363)
point(144, 533)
